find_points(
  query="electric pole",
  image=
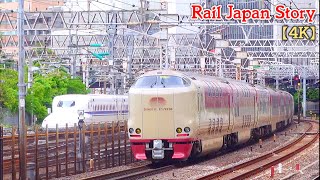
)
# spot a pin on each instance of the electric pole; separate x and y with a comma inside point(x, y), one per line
point(22, 92)
point(304, 90)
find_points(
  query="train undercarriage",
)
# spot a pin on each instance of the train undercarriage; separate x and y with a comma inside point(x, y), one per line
point(182, 149)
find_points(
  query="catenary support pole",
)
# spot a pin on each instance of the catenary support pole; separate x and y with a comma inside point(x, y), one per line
point(22, 90)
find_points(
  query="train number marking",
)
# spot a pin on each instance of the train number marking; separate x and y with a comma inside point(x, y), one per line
point(299, 32)
point(157, 109)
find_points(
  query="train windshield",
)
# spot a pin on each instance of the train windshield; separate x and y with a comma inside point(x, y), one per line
point(65, 104)
point(162, 81)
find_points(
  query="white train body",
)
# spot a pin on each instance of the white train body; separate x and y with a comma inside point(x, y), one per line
point(96, 108)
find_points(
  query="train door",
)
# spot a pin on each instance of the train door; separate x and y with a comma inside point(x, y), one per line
point(255, 108)
point(116, 109)
point(230, 106)
point(200, 106)
point(122, 108)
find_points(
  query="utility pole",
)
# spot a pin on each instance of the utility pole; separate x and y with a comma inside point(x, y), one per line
point(22, 92)
point(142, 11)
point(73, 68)
point(304, 90)
point(111, 29)
point(298, 103)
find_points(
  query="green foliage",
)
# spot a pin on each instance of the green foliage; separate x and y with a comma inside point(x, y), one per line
point(313, 94)
point(9, 89)
point(40, 95)
point(295, 97)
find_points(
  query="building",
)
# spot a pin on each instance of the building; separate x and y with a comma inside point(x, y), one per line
point(8, 23)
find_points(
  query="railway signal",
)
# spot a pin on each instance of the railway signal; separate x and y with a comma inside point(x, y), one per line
point(296, 80)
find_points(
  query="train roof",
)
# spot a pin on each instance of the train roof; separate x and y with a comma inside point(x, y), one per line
point(192, 75)
point(195, 76)
point(89, 96)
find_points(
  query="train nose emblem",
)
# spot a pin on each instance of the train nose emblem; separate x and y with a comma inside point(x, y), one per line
point(157, 101)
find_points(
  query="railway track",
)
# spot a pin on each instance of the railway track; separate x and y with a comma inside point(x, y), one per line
point(147, 170)
point(264, 162)
point(134, 173)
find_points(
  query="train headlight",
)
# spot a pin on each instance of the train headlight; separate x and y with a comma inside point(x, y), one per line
point(138, 130)
point(179, 130)
point(131, 130)
point(186, 129)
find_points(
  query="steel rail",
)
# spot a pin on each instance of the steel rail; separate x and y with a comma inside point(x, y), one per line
point(262, 158)
point(116, 174)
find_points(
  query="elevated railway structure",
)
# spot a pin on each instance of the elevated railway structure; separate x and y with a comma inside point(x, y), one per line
point(141, 38)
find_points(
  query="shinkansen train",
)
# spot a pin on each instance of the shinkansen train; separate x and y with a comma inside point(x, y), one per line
point(96, 108)
point(175, 115)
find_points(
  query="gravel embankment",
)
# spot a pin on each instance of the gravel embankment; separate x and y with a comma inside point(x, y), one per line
point(309, 166)
point(230, 159)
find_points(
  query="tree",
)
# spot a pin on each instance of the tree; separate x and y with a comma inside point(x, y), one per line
point(45, 88)
point(313, 94)
point(39, 97)
point(9, 89)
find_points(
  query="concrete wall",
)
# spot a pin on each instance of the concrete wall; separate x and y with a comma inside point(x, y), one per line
point(8, 118)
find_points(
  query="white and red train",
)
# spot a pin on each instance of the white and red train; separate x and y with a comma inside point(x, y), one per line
point(175, 115)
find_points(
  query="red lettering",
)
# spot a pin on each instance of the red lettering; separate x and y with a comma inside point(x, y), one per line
point(265, 14)
point(219, 12)
point(237, 14)
point(196, 11)
point(279, 9)
point(230, 6)
point(294, 14)
point(255, 14)
point(301, 13)
point(311, 13)
point(246, 14)
point(287, 13)
point(206, 14)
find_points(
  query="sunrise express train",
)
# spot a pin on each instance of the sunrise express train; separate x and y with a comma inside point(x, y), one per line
point(174, 115)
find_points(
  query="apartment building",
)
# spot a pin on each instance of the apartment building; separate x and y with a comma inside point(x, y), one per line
point(8, 23)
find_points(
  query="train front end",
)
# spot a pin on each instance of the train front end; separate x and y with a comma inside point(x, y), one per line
point(162, 116)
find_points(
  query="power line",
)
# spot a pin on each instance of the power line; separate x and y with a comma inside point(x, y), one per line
point(152, 12)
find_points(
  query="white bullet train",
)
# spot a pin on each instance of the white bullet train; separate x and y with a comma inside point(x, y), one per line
point(96, 107)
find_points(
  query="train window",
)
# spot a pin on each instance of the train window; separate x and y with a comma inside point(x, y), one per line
point(66, 104)
point(209, 88)
point(214, 91)
point(164, 81)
